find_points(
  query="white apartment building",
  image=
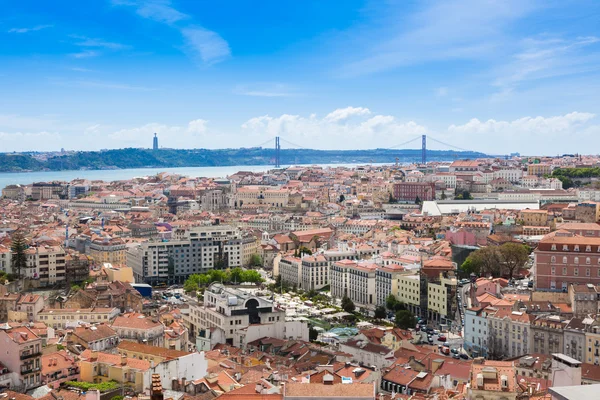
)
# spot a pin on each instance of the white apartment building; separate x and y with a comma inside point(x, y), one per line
point(232, 310)
point(511, 175)
point(5, 259)
point(508, 333)
point(387, 281)
point(361, 285)
point(290, 270)
point(59, 318)
point(46, 264)
point(588, 195)
point(191, 251)
point(355, 280)
point(476, 332)
point(315, 272)
point(448, 179)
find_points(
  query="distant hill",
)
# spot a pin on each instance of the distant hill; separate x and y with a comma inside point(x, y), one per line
point(142, 158)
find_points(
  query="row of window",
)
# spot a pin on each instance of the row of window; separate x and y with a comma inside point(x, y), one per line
point(565, 260)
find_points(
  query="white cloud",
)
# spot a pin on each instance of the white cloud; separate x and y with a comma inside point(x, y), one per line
point(547, 57)
point(30, 141)
point(191, 136)
point(32, 29)
point(202, 44)
point(207, 44)
point(86, 54)
point(99, 43)
point(197, 126)
point(539, 125)
point(344, 113)
point(528, 135)
point(441, 30)
point(334, 131)
point(441, 91)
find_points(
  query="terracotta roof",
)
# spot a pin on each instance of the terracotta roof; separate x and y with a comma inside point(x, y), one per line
point(133, 347)
point(317, 390)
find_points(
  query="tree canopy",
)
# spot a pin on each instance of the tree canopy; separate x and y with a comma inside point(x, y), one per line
point(405, 319)
point(18, 257)
point(348, 305)
point(496, 261)
point(236, 275)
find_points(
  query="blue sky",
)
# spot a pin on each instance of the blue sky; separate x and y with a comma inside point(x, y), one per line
point(493, 76)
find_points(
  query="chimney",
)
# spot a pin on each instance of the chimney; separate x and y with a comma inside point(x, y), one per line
point(123, 359)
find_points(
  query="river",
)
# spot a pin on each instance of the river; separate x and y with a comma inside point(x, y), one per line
point(25, 178)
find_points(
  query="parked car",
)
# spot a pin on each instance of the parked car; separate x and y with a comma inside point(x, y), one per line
point(445, 350)
point(430, 340)
point(456, 356)
point(464, 356)
point(442, 338)
point(454, 351)
point(530, 284)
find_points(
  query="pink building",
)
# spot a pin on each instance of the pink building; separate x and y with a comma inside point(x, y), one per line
point(485, 285)
point(563, 257)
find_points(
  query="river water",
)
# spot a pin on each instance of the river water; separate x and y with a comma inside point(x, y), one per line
point(25, 178)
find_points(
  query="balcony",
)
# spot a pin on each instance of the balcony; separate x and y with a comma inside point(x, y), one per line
point(30, 354)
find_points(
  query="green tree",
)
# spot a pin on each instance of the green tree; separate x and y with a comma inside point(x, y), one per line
point(487, 261)
point(467, 268)
point(347, 304)
point(18, 257)
point(513, 256)
point(304, 250)
point(235, 275)
point(342, 198)
point(390, 302)
point(444, 197)
point(417, 200)
point(380, 312)
point(251, 276)
point(405, 319)
point(255, 260)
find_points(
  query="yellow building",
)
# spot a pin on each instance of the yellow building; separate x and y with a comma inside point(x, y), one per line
point(106, 250)
point(539, 169)
point(59, 318)
point(96, 367)
point(250, 246)
point(152, 354)
point(260, 195)
point(409, 291)
point(534, 217)
point(441, 297)
point(592, 347)
point(118, 273)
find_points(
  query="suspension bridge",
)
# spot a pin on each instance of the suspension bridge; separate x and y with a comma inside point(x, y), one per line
point(397, 152)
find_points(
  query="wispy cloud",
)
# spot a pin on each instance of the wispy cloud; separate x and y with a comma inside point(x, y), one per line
point(85, 54)
point(85, 41)
point(208, 45)
point(202, 44)
point(442, 30)
point(547, 57)
point(32, 29)
point(265, 90)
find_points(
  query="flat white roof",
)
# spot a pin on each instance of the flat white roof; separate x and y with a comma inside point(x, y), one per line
point(438, 208)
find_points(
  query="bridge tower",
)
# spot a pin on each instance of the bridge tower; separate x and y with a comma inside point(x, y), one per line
point(424, 149)
point(277, 148)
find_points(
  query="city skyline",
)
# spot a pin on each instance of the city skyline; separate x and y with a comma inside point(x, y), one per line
point(495, 77)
